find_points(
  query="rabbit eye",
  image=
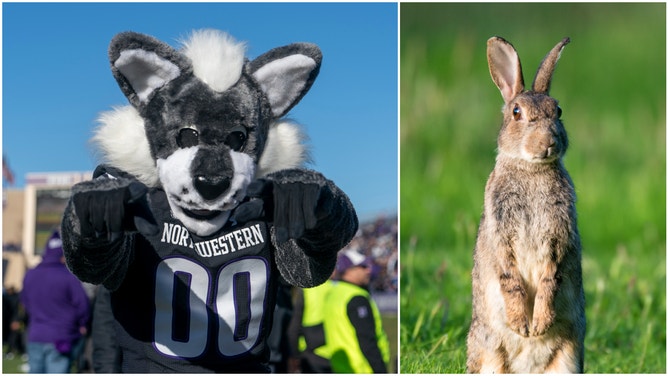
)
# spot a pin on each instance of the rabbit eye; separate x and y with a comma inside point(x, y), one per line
point(187, 137)
point(558, 112)
point(517, 112)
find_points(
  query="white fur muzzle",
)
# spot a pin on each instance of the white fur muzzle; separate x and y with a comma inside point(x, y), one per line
point(183, 197)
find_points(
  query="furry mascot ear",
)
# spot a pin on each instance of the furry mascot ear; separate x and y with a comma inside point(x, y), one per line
point(142, 64)
point(286, 74)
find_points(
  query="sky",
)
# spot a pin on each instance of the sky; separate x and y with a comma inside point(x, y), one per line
point(56, 80)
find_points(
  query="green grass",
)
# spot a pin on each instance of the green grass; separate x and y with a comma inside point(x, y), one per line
point(390, 325)
point(11, 365)
point(610, 82)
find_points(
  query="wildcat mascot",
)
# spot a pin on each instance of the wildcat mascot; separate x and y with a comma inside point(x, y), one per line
point(201, 203)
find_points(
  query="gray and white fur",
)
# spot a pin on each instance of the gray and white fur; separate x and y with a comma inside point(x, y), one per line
point(528, 299)
point(203, 122)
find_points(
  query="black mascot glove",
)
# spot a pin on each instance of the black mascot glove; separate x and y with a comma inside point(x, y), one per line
point(108, 213)
point(259, 195)
point(296, 206)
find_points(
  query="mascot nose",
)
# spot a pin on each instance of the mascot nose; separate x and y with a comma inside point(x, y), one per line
point(211, 187)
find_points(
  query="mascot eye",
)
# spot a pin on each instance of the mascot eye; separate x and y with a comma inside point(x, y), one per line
point(188, 137)
point(236, 140)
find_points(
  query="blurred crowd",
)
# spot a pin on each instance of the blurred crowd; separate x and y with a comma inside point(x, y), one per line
point(376, 239)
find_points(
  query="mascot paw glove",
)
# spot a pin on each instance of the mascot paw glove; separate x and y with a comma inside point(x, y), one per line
point(110, 211)
point(296, 206)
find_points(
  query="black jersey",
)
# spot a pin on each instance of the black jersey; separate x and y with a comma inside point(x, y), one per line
point(185, 303)
point(196, 304)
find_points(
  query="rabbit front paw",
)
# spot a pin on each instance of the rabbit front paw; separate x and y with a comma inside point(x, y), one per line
point(542, 321)
point(518, 322)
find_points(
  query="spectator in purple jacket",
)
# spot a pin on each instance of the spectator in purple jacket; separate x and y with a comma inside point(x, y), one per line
point(58, 311)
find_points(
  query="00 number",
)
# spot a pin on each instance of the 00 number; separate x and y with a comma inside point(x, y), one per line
point(240, 289)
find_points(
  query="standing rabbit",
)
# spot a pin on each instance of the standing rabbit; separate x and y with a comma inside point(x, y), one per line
point(528, 300)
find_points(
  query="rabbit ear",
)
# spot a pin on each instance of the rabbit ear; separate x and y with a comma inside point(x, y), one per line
point(543, 78)
point(505, 67)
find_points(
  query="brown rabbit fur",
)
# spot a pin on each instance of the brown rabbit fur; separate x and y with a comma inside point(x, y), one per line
point(528, 300)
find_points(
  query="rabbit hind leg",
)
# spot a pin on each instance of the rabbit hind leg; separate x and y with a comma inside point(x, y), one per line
point(566, 359)
point(486, 361)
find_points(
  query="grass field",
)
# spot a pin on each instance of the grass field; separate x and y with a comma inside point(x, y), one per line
point(13, 365)
point(610, 82)
point(390, 325)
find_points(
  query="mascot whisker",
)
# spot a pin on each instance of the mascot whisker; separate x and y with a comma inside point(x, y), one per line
point(202, 204)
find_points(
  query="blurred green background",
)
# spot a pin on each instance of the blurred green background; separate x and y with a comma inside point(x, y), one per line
point(611, 84)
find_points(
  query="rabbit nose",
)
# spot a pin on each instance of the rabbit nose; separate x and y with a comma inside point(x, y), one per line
point(211, 187)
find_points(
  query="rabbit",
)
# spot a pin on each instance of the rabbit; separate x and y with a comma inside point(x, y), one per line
point(528, 298)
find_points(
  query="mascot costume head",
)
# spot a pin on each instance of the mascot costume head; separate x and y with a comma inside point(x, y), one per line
point(202, 185)
point(211, 116)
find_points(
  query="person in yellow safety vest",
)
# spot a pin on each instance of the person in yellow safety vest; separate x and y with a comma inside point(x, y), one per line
point(306, 334)
point(355, 341)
